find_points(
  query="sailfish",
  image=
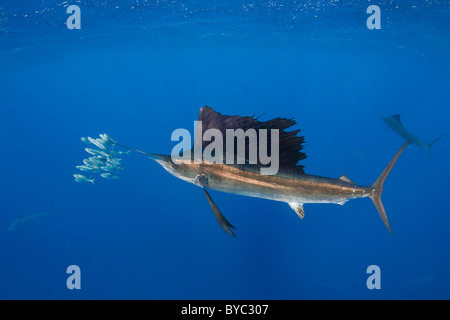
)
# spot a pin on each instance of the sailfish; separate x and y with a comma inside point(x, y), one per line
point(25, 219)
point(290, 184)
point(395, 124)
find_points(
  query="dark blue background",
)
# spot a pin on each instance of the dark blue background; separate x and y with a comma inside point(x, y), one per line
point(139, 73)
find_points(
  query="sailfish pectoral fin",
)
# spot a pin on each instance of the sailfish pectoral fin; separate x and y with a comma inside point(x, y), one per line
point(224, 223)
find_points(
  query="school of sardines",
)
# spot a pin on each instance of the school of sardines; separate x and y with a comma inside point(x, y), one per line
point(104, 160)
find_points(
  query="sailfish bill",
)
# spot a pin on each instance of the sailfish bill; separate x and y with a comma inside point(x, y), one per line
point(290, 184)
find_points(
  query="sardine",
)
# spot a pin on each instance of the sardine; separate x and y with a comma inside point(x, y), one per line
point(87, 168)
point(113, 165)
point(98, 143)
point(107, 138)
point(114, 161)
point(98, 159)
point(82, 178)
point(118, 152)
point(86, 140)
point(97, 152)
point(108, 175)
point(91, 163)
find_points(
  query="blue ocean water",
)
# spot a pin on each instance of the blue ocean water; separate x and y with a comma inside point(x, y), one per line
point(138, 70)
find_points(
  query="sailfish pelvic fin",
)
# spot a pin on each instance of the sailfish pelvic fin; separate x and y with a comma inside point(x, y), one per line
point(298, 208)
point(224, 223)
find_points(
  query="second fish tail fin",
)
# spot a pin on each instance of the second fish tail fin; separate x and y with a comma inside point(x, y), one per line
point(378, 187)
point(428, 146)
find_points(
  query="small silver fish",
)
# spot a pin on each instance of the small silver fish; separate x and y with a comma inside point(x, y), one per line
point(113, 165)
point(104, 145)
point(86, 140)
point(107, 138)
point(97, 152)
point(81, 178)
point(90, 163)
point(118, 152)
point(113, 172)
point(98, 159)
point(87, 168)
point(114, 161)
point(98, 143)
point(108, 175)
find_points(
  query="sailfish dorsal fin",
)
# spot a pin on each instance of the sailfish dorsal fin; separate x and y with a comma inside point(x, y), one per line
point(290, 144)
point(396, 117)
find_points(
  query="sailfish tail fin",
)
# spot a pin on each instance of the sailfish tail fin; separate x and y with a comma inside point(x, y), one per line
point(430, 144)
point(378, 187)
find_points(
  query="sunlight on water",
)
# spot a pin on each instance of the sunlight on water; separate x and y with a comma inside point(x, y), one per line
point(324, 21)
